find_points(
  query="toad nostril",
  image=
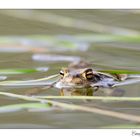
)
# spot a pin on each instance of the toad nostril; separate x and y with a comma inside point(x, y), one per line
point(76, 76)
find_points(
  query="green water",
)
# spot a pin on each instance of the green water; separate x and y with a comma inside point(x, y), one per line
point(66, 26)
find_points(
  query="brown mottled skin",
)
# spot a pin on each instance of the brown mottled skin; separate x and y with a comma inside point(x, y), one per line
point(81, 74)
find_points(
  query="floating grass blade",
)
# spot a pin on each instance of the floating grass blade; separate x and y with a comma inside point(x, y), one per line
point(121, 71)
point(103, 98)
point(17, 71)
point(109, 113)
point(16, 107)
point(42, 81)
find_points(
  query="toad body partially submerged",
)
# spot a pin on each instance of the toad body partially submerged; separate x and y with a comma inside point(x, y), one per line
point(81, 75)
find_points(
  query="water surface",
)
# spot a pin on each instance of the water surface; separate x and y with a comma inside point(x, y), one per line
point(28, 34)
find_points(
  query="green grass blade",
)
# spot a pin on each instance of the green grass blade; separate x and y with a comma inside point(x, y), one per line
point(120, 71)
point(17, 71)
point(16, 107)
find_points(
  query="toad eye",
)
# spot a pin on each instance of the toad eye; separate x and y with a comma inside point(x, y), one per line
point(89, 74)
point(61, 73)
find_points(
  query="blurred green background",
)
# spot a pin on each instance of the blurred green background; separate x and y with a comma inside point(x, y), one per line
point(46, 40)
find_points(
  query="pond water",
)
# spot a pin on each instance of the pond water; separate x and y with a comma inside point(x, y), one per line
point(47, 40)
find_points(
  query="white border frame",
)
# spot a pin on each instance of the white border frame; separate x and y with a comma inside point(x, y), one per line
point(71, 4)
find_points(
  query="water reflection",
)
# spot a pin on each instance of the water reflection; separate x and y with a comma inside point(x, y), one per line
point(117, 92)
point(77, 92)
